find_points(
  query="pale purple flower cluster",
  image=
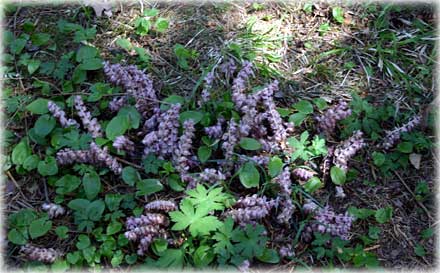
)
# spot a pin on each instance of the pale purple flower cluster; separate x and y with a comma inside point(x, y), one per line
point(339, 192)
point(58, 113)
point(283, 179)
point(216, 131)
point(286, 251)
point(302, 174)
point(145, 229)
point(181, 155)
point(161, 206)
point(239, 85)
point(309, 206)
point(285, 203)
point(261, 159)
point(45, 255)
point(117, 103)
point(327, 221)
point(212, 176)
point(244, 266)
point(136, 83)
point(206, 94)
point(163, 141)
point(123, 143)
point(327, 121)
point(393, 136)
point(95, 155)
point(91, 124)
point(348, 149)
point(228, 68)
point(230, 139)
point(53, 210)
point(248, 210)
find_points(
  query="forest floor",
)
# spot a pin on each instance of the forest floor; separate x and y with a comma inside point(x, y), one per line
point(313, 56)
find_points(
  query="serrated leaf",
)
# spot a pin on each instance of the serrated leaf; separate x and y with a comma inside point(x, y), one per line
point(249, 175)
point(95, 209)
point(44, 125)
point(113, 228)
point(338, 14)
point(383, 215)
point(124, 43)
point(117, 126)
point(48, 166)
point(91, 184)
point(269, 256)
point(297, 118)
point(67, 183)
point(62, 231)
point(161, 24)
point(83, 242)
point(33, 66)
point(20, 152)
point(91, 64)
point(304, 107)
point(16, 237)
point(130, 176)
point(148, 186)
point(31, 162)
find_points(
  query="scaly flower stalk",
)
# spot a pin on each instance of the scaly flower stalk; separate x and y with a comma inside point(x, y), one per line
point(160, 206)
point(183, 152)
point(58, 113)
point(53, 210)
point(45, 255)
point(247, 210)
point(239, 85)
point(327, 121)
point(215, 131)
point(348, 149)
point(123, 143)
point(302, 174)
point(393, 136)
point(91, 124)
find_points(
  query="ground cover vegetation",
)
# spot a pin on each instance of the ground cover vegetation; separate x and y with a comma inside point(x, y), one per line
point(213, 135)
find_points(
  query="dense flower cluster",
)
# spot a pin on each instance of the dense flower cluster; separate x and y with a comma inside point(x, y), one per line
point(327, 121)
point(302, 174)
point(145, 229)
point(285, 204)
point(230, 139)
point(135, 82)
point(215, 131)
point(239, 85)
point(91, 124)
point(53, 210)
point(58, 113)
point(95, 155)
point(211, 175)
point(286, 251)
point(163, 141)
point(348, 149)
point(206, 95)
point(161, 206)
point(244, 266)
point(327, 221)
point(249, 209)
point(228, 68)
point(123, 143)
point(393, 136)
point(183, 152)
point(45, 255)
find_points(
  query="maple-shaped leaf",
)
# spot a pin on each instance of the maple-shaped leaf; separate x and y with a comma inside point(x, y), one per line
point(196, 219)
point(250, 243)
point(224, 246)
point(208, 200)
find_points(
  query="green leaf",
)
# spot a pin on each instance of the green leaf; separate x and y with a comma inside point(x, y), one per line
point(20, 152)
point(320, 103)
point(143, 55)
point(383, 215)
point(124, 43)
point(173, 99)
point(171, 258)
point(338, 14)
point(174, 183)
point(361, 213)
point(32, 66)
point(67, 183)
point(313, 184)
point(297, 118)
point(91, 184)
point(17, 46)
point(161, 24)
point(249, 176)
point(196, 220)
point(73, 257)
point(48, 166)
point(374, 232)
point(208, 200)
point(84, 34)
point(91, 64)
point(85, 53)
point(62, 231)
point(95, 209)
point(275, 166)
point(250, 144)
point(203, 256)
point(113, 201)
point(39, 227)
point(419, 250)
point(151, 12)
point(338, 175)
point(304, 107)
point(117, 126)
point(16, 237)
point(38, 106)
point(194, 115)
point(83, 242)
point(250, 243)
point(405, 147)
point(269, 256)
point(31, 162)
point(79, 75)
point(133, 116)
point(44, 125)
point(40, 39)
point(378, 158)
point(204, 153)
point(131, 259)
point(148, 186)
point(142, 26)
point(130, 176)
point(117, 258)
point(427, 233)
point(113, 228)
point(59, 266)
